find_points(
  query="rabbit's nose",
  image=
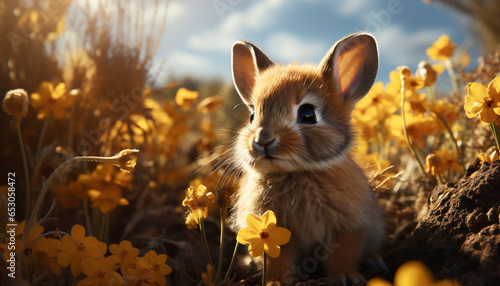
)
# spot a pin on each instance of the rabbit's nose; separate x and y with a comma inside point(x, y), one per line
point(263, 138)
point(264, 144)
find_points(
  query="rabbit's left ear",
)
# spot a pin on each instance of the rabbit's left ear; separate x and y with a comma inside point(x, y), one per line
point(351, 66)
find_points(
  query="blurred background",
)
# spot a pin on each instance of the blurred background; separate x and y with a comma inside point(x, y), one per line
point(198, 34)
point(105, 75)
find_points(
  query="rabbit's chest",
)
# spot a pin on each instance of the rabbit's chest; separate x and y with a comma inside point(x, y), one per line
point(310, 208)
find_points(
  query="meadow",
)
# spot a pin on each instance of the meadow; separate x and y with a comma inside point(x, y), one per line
point(110, 178)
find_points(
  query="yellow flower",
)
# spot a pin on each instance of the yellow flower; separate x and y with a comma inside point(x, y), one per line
point(434, 165)
point(376, 106)
point(126, 254)
point(16, 103)
point(442, 49)
point(77, 247)
point(412, 273)
point(71, 195)
point(208, 277)
point(449, 112)
point(185, 98)
point(209, 104)
point(417, 126)
point(51, 100)
point(36, 231)
point(100, 272)
point(198, 202)
point(484, 157)
point(413, 99)
point(411, 82)
point(483, 100)
point(104, 186)
point(45, 251)
point(107, 199)
point(263, 235)
point(153, 267)
point(450, 159)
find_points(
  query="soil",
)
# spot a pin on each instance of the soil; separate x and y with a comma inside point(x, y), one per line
point(459, 236)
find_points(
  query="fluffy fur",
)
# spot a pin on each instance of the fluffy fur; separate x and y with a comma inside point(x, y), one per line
point(305, 172)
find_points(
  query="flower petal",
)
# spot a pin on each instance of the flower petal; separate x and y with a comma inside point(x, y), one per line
point(494, 89)
point(115, 249)
point(90, 266)
point(413, 273)
point(76, 267)
point(247, 236)
point(256, 249)
point(78, 232)
point(268, 218)
point(64, 258)
point(488, 116)
point(477, 91)
point(58, 113)
point(378, 282)
point(37, 100)
point(254, 222)
point(280, 236)
point(272, 249)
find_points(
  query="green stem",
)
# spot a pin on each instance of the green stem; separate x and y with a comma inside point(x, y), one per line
point(86, 214)
point(381, 140)
point(205, 242)
point(432, 96)
point(25, 167)
point(70, 131)
point(451, 73)
point(42, 136)
point(7, 277)
point(496, 134)
point(221, 248)
point(230, 269)
point(103, 226)
point(407, 138)
point(264, 269)
point(459, 151)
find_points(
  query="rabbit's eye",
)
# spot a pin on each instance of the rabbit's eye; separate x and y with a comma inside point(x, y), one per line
point(306, 114)
point(252, 115)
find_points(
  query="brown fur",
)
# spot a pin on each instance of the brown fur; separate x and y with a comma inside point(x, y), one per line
point(306, 175)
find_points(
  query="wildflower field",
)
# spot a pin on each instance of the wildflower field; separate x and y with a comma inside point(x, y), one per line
point(110, 178)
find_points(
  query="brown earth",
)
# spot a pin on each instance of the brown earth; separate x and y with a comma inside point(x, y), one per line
point(459, 236)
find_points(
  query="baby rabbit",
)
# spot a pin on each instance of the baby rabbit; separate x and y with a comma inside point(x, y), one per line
point(294, 156)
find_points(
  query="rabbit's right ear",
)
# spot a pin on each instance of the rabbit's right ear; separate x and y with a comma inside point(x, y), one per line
point(248, 62)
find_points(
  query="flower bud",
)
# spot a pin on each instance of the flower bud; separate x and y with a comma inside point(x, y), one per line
point(405, 71)
point(126, 159)
point(434, 165)
point(426, 73)
point(16, 103)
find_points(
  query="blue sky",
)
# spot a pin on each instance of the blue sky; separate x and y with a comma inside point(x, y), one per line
point(199, 33)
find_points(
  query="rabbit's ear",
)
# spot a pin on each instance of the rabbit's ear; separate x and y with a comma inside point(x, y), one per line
point(248, 62)
point(351, 66)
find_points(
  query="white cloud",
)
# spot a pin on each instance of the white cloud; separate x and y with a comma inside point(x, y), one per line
point(398, 47)
point(352, 7)
point(235, 24)
point(176, 11)
point(290, 48)
point(183, 62)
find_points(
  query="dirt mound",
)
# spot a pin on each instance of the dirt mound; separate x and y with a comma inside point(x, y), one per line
point(459, 236)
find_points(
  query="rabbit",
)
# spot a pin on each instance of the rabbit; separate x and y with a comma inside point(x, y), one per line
point(294, 159)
